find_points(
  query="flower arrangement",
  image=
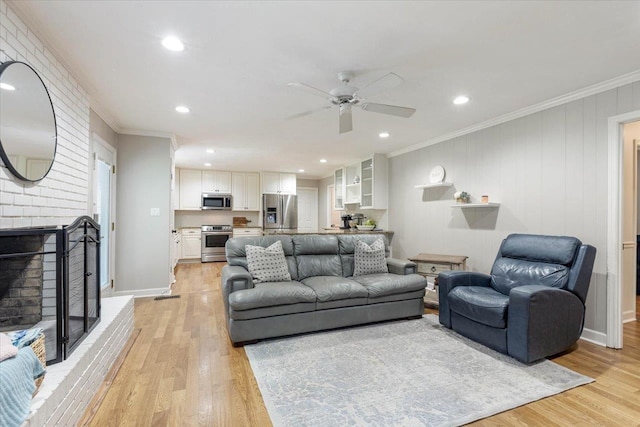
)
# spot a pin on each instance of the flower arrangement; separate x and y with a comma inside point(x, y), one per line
point(462, 197)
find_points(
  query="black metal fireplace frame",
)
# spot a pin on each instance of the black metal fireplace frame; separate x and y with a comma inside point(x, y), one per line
point(63, 247)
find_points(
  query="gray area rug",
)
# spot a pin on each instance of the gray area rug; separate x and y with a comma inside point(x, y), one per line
point(405, 373)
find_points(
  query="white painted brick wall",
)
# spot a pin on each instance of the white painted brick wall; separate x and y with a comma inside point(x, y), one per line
point(62, 195)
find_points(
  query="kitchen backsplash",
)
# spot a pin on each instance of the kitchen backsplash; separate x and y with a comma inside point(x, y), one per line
point(197, 218)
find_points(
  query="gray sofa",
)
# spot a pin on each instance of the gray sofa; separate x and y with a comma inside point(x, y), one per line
point(323, 293)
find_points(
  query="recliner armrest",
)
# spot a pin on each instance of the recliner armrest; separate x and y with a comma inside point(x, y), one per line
point(401, 266)
point(542, 321)
point(447, 280)
point(234, 278)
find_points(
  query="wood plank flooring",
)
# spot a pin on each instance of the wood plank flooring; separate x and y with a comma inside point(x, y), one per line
point(183, 371)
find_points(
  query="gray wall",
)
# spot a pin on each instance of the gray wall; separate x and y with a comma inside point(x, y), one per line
point(548, 170)
point(309, 183)
point(143, 241)
point(102, 129)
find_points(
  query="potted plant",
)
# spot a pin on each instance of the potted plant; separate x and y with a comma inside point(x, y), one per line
point(462, 197)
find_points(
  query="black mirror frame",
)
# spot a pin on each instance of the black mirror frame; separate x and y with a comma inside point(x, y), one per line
point(3, 155)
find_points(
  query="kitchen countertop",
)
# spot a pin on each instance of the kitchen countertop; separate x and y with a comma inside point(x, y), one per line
point(332, 231)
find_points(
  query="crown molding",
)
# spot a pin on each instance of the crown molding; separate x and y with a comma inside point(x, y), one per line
point(622, 80)
point(51, 42)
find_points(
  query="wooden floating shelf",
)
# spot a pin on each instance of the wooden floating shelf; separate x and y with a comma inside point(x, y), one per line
point(476, 205)
point(436, 185)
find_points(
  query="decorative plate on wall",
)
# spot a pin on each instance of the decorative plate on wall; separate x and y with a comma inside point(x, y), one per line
point(437, 175)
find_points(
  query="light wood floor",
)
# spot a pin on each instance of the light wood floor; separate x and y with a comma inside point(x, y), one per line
point(183, 371)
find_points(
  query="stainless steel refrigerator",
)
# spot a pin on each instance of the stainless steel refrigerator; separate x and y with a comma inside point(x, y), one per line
point(280, 212)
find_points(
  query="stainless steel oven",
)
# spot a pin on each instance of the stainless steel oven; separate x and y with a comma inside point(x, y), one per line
point(214, 238)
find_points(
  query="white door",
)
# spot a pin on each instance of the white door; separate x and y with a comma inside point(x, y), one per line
point(308, 210)
point(104, 189)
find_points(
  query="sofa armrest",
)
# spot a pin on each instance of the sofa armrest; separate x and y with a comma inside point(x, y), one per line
point(542, 321)
point(234, 278)
point(447, 280)
point(401, 266)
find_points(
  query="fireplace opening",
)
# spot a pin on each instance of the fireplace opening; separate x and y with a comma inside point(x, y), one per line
point(49, 279)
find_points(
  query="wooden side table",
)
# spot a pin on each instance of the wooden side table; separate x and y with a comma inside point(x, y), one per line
point(430, 265)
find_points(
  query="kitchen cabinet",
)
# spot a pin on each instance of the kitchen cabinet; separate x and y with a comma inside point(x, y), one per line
point(278, 183)
point(190, 189)
point(216, 182)
point(338, 188)
point(352, 184)
point(373, 182)
point(245, 190)
point(191, 243)
point(246, 232)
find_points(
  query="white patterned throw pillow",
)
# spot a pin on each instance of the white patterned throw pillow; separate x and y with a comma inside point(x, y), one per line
point(267, 264)
point(369, 259)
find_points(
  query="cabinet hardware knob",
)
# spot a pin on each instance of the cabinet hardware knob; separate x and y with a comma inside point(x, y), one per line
point(433, 269)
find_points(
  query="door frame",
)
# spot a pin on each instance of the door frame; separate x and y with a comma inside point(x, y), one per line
point(614, 227)
point(317, 204)
point(97, 140)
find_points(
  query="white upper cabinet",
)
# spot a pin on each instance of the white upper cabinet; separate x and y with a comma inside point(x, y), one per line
point(338, 188)
point(216, 182)
point(245, 191)
point(278, 183)
point(190, 189)
point(373, 182)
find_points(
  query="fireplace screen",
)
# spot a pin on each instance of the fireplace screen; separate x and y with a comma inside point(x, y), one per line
point(49, 279)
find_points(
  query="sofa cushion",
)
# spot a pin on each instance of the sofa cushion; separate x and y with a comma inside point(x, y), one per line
point(369, 259)
point(271, 294)
point(347, 245)
point(332, 288)
point(508, 273)
point(317, 256)
point(382, 284)
point(267, 264)
point(481, 304)
point(278, 310)
point(237, 255)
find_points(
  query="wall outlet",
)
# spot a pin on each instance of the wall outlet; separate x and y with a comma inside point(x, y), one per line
point(155, 212)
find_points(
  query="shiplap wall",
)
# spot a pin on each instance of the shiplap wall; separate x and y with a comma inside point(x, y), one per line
point(62, 195)
point(548, 170)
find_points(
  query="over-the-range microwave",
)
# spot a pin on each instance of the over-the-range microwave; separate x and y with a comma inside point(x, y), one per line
point(216, 201)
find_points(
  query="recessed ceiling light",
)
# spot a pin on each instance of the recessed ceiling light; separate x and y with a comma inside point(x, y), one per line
point(182, 109)
point(383, 134)
point(462, 99)
point(300, 170)
point(173, 44)
point(7, 86)
point(211, 151)
point(207, 164)
point(323, 160)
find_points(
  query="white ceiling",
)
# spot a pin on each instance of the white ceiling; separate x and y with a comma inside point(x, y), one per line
point(240, 56)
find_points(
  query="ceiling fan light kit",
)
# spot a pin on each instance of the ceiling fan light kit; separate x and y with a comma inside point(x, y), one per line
point(346, 96)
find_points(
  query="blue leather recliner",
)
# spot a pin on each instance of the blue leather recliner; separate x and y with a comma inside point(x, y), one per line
point(532, 304)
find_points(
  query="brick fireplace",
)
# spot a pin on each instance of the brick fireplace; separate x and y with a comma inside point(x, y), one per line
point(49, 279)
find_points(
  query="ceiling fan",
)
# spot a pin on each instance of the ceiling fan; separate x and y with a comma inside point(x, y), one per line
point(345, 97)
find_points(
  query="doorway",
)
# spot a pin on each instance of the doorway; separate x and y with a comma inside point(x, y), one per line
point(307, 209)
point(630, 139)
point(103, 209)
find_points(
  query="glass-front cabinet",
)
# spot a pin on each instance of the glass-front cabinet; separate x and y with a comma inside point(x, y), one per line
point(339, 188)
point(366, 197)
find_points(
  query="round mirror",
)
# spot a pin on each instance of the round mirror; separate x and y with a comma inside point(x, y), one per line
point(28, 134)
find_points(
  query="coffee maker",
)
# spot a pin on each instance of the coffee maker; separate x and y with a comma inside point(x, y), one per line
point(346, 218)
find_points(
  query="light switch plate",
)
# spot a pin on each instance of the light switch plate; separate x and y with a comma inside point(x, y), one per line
point(155, 212)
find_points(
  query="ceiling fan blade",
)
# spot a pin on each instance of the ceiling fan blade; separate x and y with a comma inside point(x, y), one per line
point(385, 82)
point(308, 113)
point(346, 122)
point(393, 110)
point(312, 90)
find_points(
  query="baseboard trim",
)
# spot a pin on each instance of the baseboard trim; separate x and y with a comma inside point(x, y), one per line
point(594, 337)
point(143, 293)
point(628, 316)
